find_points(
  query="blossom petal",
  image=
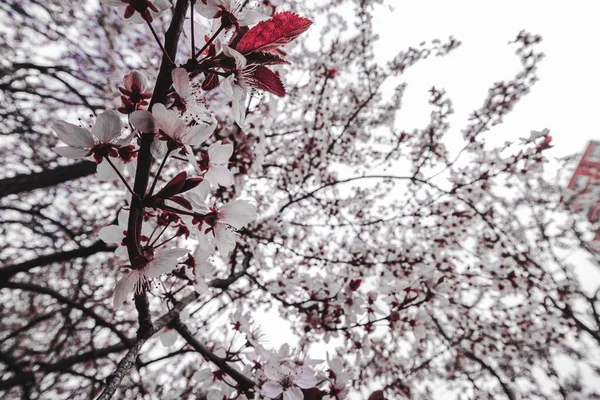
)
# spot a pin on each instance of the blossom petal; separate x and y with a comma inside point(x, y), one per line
point(220, 153)
point(105, 172)
point(181, 82)
point(251, 17)
point(199, 32)
point(272, 389)
point(306, 379)
point(158, 149)
point(107, 126)
point(111, 234)
point(71, 152)
point(189, 153)
point(240, 60)
point(197, 134)
point(201, 287)
point(293, 393)
point(219, 175)
point(73, 135)
point(143, 120)
point(207, 10)
point(164, 262)
point(237, 213)
point(225, 238)
point(125, 287)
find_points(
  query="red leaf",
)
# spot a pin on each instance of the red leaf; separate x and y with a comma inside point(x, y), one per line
point(173, 187)
point(268, 80)
point(181, 201)
point(190, 184)
point(267, 35)
point(377, 395)
point(210, 82)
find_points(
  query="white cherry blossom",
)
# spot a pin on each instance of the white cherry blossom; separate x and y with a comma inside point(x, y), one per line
point(218, 158)
point(137, 280)
point(80, 142)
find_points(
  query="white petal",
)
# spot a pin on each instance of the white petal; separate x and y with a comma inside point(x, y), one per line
point(219, 175)
point(206, 10)
point(162, 5)
point(181, 82)
point(272, 372)
point(251, 17)
point(199, 32)
point(240, 60)
point(168, 120)
point(71, 152)
point(220, 153)
point(107, 127)
point(105, 172)
point(237, 213)
point(227, 86)
point(164, 262)
point(111, 234)
point(122, 218)
point(226, 239)
point(143, 121)
point(135, 78)
point(158, 149)
point(122, 253)
point(293, 393)
point(73, 135)
point(197, 134)
point(197, 197)
point(124, 288)
point(306, 379)
point(272, 389)
point(205, 243)
point(239, 111)
point(189, 154)
point(168, 338)
point(201, 287)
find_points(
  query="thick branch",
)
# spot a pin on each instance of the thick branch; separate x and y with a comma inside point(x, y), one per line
point(244, 382)
point(114, 380)
point(46, 178)
point(8, 272)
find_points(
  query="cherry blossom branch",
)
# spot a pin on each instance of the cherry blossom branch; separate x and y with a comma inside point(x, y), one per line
point(119, 174)
point(165, 54)
point(48, 177)
point(8, 272)
point(244, 382)
point(127, 362)
point(208, 43)
point(507, 390)
point(144, 157)
point(160, 168)
point(114, 380)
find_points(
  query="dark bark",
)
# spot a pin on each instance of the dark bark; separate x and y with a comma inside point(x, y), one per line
point(8, 272)
point(51, 177)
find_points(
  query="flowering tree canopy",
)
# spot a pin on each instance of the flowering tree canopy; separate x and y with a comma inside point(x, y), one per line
point(173, 167)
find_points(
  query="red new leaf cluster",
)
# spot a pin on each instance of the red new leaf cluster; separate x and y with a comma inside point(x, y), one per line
point(267, 35)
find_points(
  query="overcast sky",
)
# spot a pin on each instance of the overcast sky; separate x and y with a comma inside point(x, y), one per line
point(565, 100)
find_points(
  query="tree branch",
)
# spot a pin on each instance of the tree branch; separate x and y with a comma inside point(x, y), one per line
point(51, 177)
point(8, 272)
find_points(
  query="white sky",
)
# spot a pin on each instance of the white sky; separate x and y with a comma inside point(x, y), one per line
point(565, 100)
